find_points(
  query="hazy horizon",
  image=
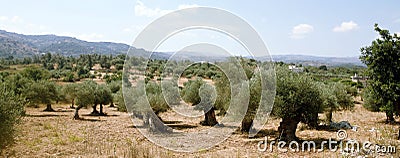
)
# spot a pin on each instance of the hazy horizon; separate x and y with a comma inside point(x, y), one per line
point(328, 29)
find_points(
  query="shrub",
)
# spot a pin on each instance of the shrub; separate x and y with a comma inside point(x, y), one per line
point(190, 91)
point(11, 110)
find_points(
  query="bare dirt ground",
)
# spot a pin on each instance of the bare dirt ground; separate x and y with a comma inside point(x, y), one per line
point(56, 134)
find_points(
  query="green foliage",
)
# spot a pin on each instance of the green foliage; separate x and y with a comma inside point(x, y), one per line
point(119, 97)
point(170, 92)
point(371, 100)
point(208, 95)
point(85, 95)
point(335, 97)
point(102, 95)
point(323, 67)
point(190, 91)
point(35, 74)
point(156, 98)
point(383, 60)
point(254, 101)
point(17, 83)
point(297, 97)
point(343, 96)
point(223, 89)
point(41, 92)
point(11, 110)
point(70, 91)
point(114, 86)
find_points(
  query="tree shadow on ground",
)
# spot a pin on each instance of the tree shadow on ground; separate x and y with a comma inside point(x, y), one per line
point(58, 110)
point(181, 126)
point(326, 128)
point(389, 123)
point(172, 122)
point(64, 110)
point(263, 133)
point(133, 126)
point(100, 115)
point(44, 115)
point(90, 120)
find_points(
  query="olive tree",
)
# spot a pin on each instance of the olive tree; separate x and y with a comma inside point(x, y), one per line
point(103, 96)
point(190, 91)
point(114, 86)
point(43, 92)
point(84, 97)
point(382, 58)
point(207, 94)
point(70, 92)
point(298, 99)
point(335, 97)
point(11, 110)
point(202, 96)
point(35, 74)
point(137, 99)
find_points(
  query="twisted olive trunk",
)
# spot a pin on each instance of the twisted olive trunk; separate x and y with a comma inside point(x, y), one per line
point(49, 108)
point(72, 104)
point(155, 124)
point(287, 129)
point(209, 118)
point(112, 104)
point(76, 114)
point(94, 112)
point(101, 110)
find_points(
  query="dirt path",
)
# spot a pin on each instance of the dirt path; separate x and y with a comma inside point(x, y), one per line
point(55, 134)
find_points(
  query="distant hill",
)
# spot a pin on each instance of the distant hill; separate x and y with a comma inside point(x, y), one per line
point(19, 45)
point(317, 60)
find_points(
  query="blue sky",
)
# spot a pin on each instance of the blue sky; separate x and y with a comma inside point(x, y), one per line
point(308, 27)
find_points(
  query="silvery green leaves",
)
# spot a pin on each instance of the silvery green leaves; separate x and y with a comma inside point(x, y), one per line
point(151, 86)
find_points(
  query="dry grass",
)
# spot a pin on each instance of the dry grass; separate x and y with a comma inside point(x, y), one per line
point(55, 134)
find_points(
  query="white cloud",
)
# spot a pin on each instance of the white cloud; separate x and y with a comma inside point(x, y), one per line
point(301, 30)
point(184, 6)
point(17, 19)
point(346, 26)
point(142, 10)
point(3, 18)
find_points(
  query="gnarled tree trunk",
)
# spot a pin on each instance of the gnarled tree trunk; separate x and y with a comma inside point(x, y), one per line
point(287, 129)
point(49, 108)
point(209, 118)
point(155, 124)
point(101, 110)
point(95, 112)
point(72, 104)
point(246, 125)
point(329, 116)
point(76, 114)
point(112, 104)
point(389, 117)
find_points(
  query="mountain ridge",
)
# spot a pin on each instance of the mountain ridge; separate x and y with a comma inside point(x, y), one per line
point(20, 45)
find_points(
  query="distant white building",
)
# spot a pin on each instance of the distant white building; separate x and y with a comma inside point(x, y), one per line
point(357, 78)
point(294, 68)
point(362, 79)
